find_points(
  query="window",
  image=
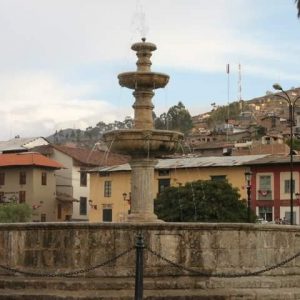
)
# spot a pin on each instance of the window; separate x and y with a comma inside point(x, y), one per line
point(287, 184)
point(164, 172)
point(44, 178)
point(2, 178)
point(265, 213)
point(59, 211)
point(218, 178)
point(22, 179)
point(265, 191)
point(43, 217)
point(107, 213)
point(22, 196)
point(163, 184)
point(107, 188)
point(83, 205)
point(83, 178)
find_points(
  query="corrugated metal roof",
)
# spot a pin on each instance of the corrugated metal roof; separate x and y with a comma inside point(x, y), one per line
point(191, 162)
point(17, 144)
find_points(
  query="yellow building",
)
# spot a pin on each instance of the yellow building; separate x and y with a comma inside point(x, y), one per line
point(110, 186)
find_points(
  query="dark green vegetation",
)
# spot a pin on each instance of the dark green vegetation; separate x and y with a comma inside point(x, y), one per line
point(177, 118)
point(14, 213)
point(202, 201)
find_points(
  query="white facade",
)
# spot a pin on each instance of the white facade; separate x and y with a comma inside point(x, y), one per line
point(68, 182)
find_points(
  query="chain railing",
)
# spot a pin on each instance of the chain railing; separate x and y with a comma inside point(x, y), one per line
point(71, 273)
point(223, 274)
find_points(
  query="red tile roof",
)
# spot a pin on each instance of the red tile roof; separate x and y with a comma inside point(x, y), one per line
point(28, 159)
point(93, 157)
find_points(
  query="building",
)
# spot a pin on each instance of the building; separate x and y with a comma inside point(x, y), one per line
point(110, 186)
point(271, 188)
point(73, 181)
point(270, 183)
point(29, 178)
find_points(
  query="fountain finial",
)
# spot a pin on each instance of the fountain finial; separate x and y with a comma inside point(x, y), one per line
point(144, 39)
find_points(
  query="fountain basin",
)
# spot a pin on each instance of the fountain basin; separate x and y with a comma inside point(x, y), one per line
point(150, 80)
point(142, 143)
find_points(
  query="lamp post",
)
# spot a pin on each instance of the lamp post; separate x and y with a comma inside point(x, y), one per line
point(248, 181)
point(291, 104)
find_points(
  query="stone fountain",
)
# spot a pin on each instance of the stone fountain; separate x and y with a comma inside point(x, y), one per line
point(143, 143)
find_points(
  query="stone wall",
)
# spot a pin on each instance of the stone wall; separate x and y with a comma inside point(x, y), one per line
point(60, 247)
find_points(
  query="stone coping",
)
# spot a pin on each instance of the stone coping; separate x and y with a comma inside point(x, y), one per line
point(149, 226)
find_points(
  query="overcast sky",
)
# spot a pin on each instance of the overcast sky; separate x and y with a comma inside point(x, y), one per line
point(59, 59)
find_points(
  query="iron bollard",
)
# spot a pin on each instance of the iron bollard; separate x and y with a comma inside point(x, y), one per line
point(139, 267)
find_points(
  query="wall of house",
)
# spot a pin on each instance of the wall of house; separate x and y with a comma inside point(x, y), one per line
point(276, 200)
point(214, 248)
point(63, 176)
point(79, 191)
point(12, 187)
point(120, 183)
point(44, 195)
point(40, 198)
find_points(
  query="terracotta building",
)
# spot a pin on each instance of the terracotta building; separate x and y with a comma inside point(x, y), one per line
point(29, 178)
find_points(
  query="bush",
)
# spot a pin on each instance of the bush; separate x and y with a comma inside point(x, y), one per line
point(14, 213)
point(202, 201)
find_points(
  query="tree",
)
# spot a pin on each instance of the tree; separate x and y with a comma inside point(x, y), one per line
point(177, 118)
point(202, 201)
point(298, 7)
point(14, 213)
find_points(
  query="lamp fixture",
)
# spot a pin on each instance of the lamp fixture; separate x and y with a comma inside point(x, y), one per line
point(93, 206)
point(125, 197)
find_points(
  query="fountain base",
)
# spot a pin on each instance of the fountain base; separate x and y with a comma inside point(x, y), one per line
point(143, 218)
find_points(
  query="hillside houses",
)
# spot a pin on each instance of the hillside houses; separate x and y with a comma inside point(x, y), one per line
point(260, 120)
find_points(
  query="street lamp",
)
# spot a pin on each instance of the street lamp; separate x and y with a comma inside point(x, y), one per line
point(291, 105)
point(248, 181)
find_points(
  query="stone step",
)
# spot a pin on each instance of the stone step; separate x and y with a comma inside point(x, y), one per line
point(178, 294)
point(167, 283)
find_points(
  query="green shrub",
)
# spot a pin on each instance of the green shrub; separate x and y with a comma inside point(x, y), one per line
point(14, 213)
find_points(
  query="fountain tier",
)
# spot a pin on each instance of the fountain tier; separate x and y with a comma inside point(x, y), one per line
point(142, 143)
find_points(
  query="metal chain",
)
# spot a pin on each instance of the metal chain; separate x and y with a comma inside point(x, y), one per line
point(71, 273)
point(223, 275)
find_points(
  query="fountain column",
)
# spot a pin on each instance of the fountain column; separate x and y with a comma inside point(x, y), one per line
point(142, 180)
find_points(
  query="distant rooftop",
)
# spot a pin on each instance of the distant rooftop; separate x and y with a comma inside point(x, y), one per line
point(18, 144)
point(85, 156)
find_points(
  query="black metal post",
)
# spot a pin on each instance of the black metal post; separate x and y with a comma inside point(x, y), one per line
point(139, 267)
point(249, 201)
point(291, 116)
